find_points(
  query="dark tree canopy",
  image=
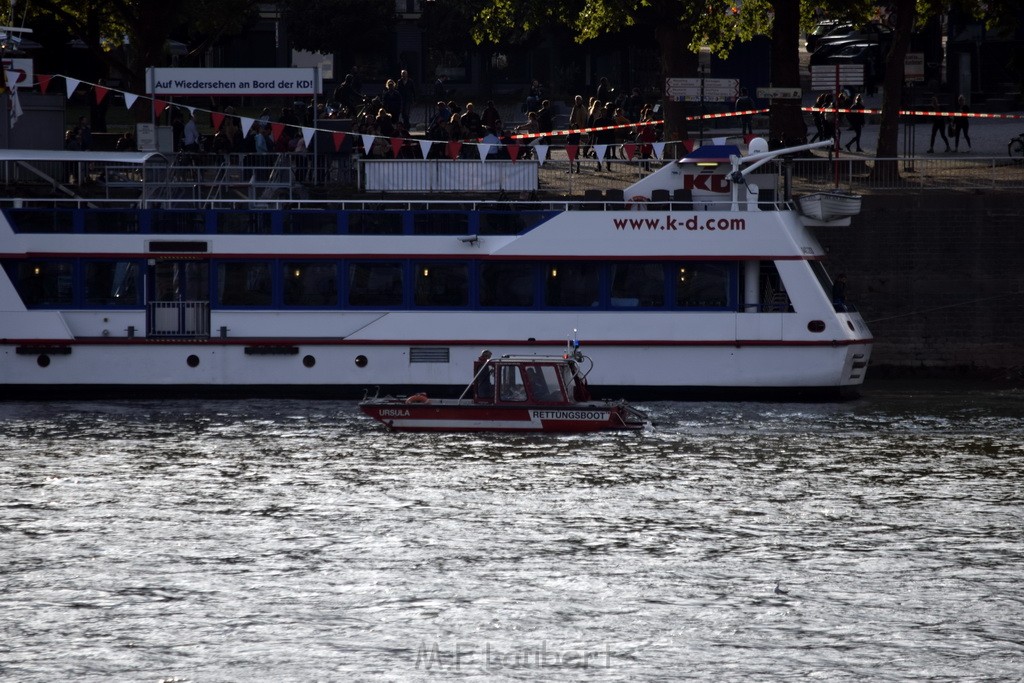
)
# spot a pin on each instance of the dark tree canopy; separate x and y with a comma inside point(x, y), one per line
point(103, 26)
point(347, 28)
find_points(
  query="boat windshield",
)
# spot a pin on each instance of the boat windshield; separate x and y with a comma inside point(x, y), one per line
point(544, 384)
point(568, 380)
point(511, 386)
point(537, 382)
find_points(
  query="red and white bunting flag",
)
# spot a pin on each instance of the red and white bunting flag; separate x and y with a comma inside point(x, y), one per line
point(630, 149)
point(307, 135)
point(71, 84)
point(129, 100)
point(367, 144)
point(15, 104)
point(159, 106)
point(101, 92)
point(425, 146)
point(44, 82)
point(246, 124)
point(542, 153)
point(217, 118)
point(600, 151)
point(339, 138)
point(483, 148)
point(748, 137)
point(276, 129)
point(571, 151)
point(454, 147)
point(513, 151)
point(396, 146)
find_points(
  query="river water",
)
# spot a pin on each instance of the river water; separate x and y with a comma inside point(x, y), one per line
point(296, 541)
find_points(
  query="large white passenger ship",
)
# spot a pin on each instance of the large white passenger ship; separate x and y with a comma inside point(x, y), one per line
point(687, 285)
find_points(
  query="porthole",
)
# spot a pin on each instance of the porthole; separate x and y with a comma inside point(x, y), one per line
point(193, 361)
point(361, 361)
point(43, 360)
point(816, 326)
point(309, 361)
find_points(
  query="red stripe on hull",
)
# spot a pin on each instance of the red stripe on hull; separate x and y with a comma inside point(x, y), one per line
point(481, 417)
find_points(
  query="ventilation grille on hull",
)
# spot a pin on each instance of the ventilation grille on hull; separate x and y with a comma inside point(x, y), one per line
point(429, 354)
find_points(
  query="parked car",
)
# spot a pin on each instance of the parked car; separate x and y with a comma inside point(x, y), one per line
point(825, 28)
point(830, 46)
point(870, 33)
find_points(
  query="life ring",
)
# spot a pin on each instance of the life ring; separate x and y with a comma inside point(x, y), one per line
point(418, 398)
point(637, 203)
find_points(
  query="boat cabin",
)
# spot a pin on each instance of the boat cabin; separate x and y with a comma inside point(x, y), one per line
point(549, 380)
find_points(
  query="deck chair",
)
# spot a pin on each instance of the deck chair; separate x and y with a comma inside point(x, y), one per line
point(592, 199)
point(615, 199)
point(682, 199)
point(660, 200)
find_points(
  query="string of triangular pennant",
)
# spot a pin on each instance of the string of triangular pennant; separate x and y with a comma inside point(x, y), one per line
point(452, 149)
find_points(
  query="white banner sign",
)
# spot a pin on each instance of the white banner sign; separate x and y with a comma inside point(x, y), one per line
point(824, 76)
point(689, 89)
point(913, 67)
point(779, 93)
point(166, 81)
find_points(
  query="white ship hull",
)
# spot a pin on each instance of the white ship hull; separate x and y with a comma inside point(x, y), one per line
point(763, 323)
point(666, 369)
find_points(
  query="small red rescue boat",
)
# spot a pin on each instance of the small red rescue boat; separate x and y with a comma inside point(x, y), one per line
point(512, 394)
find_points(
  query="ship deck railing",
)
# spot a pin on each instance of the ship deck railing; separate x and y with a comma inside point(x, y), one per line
point(178, 319)
point(206, 179)
point(25, 208)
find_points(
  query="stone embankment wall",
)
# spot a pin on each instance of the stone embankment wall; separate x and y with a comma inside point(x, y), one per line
point(939, 277)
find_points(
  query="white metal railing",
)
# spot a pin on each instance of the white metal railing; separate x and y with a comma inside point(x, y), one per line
point(591, 201)
point(217, 180)
point(186, 319)
point(858, 174)
point(447, 175)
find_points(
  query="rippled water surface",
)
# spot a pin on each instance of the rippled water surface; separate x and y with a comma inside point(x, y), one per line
point(269, 540)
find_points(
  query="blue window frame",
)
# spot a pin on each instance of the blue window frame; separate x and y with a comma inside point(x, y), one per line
point(376, 283)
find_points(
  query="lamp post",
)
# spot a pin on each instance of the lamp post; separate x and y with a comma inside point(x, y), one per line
point(703, 68)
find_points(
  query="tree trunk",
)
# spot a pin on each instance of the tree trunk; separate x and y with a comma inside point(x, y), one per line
point(892, 92)
point(786, 125)
point(676, 62)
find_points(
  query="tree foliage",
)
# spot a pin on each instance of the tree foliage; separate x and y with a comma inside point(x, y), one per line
point(344, 27)
point(669, 22)
point(142, 28)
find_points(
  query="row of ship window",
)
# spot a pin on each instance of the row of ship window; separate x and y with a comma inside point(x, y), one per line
point(90, 283)
point(309, 222)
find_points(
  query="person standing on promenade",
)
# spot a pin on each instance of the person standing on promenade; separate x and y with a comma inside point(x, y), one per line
point(407, 89)
point(577, 122)
point(490, 116)
point(605, 136)
point(962, 123)
point(856, 120)
point(744, 103)
point(605, 92)
point(938, 127)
